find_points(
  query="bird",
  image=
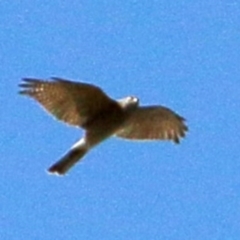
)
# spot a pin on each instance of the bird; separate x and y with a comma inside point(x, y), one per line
point(87, 106)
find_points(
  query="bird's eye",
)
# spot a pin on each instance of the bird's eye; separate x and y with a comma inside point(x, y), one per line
point(132, 99)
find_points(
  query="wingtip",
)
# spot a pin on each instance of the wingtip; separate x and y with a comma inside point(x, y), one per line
point(176, 140)
point(57, 79)
point(26, 79)
point(27, 82)
point(22, 92)
point(24, 85)
point(25, 88)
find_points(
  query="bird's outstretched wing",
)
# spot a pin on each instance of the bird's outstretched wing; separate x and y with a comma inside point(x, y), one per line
point(71, 102)
point(154, 122)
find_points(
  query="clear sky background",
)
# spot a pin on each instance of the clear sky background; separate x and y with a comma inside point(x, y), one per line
point(181, 54)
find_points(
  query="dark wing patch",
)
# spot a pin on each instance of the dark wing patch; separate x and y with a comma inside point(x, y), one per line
point(149, 123)
point(71, 102)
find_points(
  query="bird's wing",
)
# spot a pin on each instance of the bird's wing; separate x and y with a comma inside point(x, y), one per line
point(72, 102)
point(149, 123)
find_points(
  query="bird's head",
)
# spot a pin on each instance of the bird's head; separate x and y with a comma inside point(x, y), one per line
point(128, 103)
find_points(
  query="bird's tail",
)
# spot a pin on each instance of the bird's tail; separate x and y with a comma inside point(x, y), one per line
point(68, 160)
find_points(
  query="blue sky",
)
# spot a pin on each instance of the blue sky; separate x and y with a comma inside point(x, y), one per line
point(180, 54)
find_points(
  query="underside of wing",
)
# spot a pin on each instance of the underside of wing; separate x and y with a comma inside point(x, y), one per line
point(72, 102)
point(152, 123)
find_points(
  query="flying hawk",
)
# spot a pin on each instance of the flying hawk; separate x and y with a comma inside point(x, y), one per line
point(87, 106)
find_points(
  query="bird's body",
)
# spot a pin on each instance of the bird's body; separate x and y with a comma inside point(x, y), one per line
point(87, 106)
